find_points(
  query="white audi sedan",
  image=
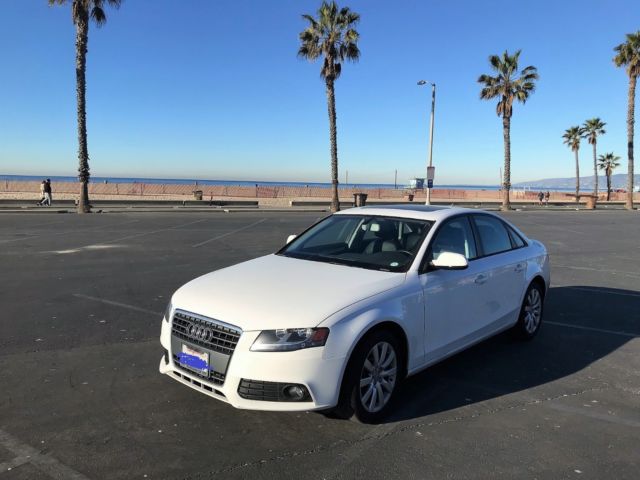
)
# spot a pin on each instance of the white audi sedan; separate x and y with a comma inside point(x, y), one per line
point(353, 305)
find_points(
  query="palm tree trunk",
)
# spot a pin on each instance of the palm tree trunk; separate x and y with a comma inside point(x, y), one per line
point(595, 170)
point(577, 178)
point(608, 173)
point(333, 137)
point(82, 36)
point(506, 183)
point(630, 121)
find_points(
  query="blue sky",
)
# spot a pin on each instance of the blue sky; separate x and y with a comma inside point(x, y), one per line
point(213, 89)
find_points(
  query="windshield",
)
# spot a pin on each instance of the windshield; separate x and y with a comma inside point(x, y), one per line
point(365, 241)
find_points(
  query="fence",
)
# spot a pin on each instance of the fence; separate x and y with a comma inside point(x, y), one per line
point(260, 191)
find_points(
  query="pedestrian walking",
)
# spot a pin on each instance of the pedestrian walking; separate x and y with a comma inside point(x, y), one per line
point(47, 192)
point(547, 195)
point(42, 195)
point(540, 197)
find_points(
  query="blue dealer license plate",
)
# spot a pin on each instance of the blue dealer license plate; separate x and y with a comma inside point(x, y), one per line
point(194, 359)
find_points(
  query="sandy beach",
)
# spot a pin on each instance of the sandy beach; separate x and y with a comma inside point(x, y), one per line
point(265, 195)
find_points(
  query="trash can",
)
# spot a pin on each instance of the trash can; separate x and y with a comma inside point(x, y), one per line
point(359, 199)
point(197, 194)
point(591, 202)
point(409, 197)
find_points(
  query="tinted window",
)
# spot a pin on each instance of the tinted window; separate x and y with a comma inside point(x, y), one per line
point(517, 239)
point(374, 242)
point(493, 234)
point(454, 236)
point(334, 232)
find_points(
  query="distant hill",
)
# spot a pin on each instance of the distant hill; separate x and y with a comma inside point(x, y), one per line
point(618, 180)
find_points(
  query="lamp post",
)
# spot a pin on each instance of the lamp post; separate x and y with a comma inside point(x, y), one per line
point(433, 110)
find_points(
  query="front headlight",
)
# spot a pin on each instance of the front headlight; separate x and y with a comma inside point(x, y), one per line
point(167, 312)
point(287, 339)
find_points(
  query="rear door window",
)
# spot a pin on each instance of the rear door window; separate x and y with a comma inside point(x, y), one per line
point(517, 240)
point(494, 237)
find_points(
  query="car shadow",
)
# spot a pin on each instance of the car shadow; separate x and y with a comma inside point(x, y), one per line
point(503, 365)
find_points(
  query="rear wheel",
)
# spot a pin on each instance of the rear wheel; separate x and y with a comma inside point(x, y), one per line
point(531, 313)
point(371, 379)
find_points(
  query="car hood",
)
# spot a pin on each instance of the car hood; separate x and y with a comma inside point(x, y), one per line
point(280, 292)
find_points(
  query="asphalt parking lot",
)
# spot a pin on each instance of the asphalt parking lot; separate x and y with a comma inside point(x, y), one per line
point(81, 396)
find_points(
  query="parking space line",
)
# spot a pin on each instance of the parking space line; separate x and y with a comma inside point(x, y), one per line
point(606, 292)
point(229, 233)
point(45, 463)
point(629, 422)
point(593, 269)
point(67, 232)
point(14, 463)
point(156, 231)
point(116, 304)
point(593, 329)
point(26, 237)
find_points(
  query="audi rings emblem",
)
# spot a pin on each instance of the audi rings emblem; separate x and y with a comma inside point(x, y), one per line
point(198, 331)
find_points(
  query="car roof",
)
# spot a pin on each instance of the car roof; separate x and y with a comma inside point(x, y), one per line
point(420, 212)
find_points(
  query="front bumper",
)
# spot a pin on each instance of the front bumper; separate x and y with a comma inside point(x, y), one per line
point(322, 377)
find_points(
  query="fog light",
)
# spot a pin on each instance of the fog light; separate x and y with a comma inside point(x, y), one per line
point(295, 392)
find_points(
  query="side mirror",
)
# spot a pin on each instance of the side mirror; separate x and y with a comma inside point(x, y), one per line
point(450, 261)
point(290, 238)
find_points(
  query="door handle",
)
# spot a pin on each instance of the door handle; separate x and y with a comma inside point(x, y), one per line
point(480, 279)
point(519, 267)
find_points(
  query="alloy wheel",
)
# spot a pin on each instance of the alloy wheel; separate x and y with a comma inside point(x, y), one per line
point(532, 310)
point(378, 377)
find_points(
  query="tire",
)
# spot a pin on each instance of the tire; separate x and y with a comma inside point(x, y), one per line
point(371, 379)
point(531, 313)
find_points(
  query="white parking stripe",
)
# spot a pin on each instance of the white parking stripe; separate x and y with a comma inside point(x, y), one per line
point(26, 237)
point(116, 304)
point(592, 329)
point(14, 463)
point(595, 269)
point(606, 292)
point(617, 419)
point(156, 231)
point(45, 463)
point(228, 233)
point(67, 232)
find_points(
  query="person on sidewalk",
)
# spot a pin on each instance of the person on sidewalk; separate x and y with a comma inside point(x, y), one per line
point(540, 197)
point(47, 192)
point(42, 195)
point(547, 195)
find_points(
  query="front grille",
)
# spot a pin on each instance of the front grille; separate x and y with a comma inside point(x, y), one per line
point(268, 391)
point(215, 336)
point(214, 377)
point(198, 384)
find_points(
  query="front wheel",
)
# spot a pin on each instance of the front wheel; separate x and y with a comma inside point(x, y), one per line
point(372, 378)
point(531, 312)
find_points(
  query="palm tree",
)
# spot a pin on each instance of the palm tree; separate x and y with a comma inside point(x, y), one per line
point(82, 12)
point(331, 35)
point(628, 55)
point(591, 129)
point(608, 163)
point(508, 85)
point(572, 139)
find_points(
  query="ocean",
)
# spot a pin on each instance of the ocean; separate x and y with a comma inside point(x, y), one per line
point(244, 183)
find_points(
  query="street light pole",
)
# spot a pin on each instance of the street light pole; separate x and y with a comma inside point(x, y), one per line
point(433, 112)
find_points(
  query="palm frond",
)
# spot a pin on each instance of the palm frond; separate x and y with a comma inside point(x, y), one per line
point(508, 84)
point(608, 161)
point(572, 136)
point(83, 10)
point(332, 35)
point(98, 16)
point(628, 54)
point(592, 128)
